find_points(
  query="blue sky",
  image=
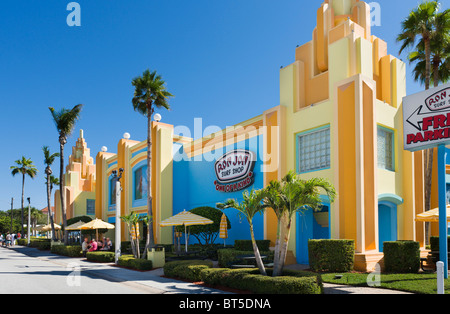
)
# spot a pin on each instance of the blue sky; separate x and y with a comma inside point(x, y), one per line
point(221, 60)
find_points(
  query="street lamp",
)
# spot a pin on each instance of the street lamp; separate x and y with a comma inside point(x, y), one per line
point(118, 194)
point(29, 220)
point(12, 204)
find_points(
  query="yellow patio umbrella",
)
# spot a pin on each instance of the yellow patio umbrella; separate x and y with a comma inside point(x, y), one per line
point(95, 225)
point(187, 219)
point(432, 215)
point(76, 226)
point(223, 234)
point(48, 227)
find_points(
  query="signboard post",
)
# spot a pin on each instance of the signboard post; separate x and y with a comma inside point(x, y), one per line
point(426, 124)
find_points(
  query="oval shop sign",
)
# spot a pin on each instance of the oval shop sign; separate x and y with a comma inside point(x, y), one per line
point(234, 171)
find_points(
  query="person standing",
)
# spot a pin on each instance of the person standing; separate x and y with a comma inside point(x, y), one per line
point(84, 246)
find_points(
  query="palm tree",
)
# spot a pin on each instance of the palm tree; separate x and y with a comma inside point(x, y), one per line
point(291, 196)
point(150, 93)
point(49, 159)
point(426, 29)
point(25, 167)
point(132, 221)
point(250, 206)
point(420, 23)
point(440, 52)
point(65, 123)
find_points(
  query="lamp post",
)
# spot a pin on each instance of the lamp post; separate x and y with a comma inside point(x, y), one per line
point(118, 241)
point(29, 220)
point(12, 204)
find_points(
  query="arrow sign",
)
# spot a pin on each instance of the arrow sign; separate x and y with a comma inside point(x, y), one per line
point(426, 117)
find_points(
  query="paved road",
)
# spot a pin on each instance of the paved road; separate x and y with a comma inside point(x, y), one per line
point(28, 270)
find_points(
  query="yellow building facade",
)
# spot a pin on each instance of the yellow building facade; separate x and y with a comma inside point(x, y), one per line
point(339, 118)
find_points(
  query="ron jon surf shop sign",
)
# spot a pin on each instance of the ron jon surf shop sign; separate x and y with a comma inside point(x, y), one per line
point(426, 118)
point(234, 171)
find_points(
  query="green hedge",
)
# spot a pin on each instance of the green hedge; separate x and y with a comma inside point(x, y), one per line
point(41, 244)
point(139, 264)
point(188, 269)
point(246, 245)
point(227, 257)
point(100, 257)
point(292, 282)
point(401, 256)
point(70, 250)
point(331, 255)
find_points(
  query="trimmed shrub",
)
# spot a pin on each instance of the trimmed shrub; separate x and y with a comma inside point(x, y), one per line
point(189, 270)
point(228, 257)
point(100, 257)
point(129, 261)
point(246, 245)
point(401, 256)
point(41, 244)
point(70, 250)
point(292, 282)
point(331, 255)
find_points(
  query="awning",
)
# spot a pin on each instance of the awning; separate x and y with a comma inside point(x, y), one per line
point(432, 215)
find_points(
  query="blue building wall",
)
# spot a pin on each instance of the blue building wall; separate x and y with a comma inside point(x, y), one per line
point(194, 187)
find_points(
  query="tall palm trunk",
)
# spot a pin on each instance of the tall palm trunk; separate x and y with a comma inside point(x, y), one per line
point(258, 258)
point(62, 142)
point(23, 192)
point(429, 153)
point(49, 192)
point(150, 238)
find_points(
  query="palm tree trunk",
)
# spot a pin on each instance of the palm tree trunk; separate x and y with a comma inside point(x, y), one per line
point(277, 245)
point(428, 160)
point(150, 239)
point(258, 259)
point(436, 63)
point(61, 191)
point(285, 226)
point(23, 192)
point(427, 62)
point(50, 217)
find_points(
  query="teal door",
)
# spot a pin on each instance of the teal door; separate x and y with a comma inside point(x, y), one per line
point(387, 223)
point(311, 225)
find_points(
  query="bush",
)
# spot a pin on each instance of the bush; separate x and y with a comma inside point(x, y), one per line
point(401, 256)
point(228, 257)
point(22, 242)
point(246, 245)
point(41, 244)
point(70, 250)
point(331, 255)
point(100, 257)
point(291, 282)
point(189, 270)
point(129, 261)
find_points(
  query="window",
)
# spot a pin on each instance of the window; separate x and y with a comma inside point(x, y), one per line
point(314, 150)
point(140, 183)
point(386, 149)
point(90, 207)
point(112, 192)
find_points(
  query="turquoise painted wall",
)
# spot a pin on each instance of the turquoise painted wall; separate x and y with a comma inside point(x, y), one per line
point(194, 187)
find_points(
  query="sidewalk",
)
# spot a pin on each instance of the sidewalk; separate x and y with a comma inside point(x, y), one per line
point(153, 282)
point(149, 282)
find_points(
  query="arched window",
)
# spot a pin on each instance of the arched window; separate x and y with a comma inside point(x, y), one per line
point(140, 184)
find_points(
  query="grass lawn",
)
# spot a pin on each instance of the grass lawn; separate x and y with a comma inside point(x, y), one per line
point(418, 283)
